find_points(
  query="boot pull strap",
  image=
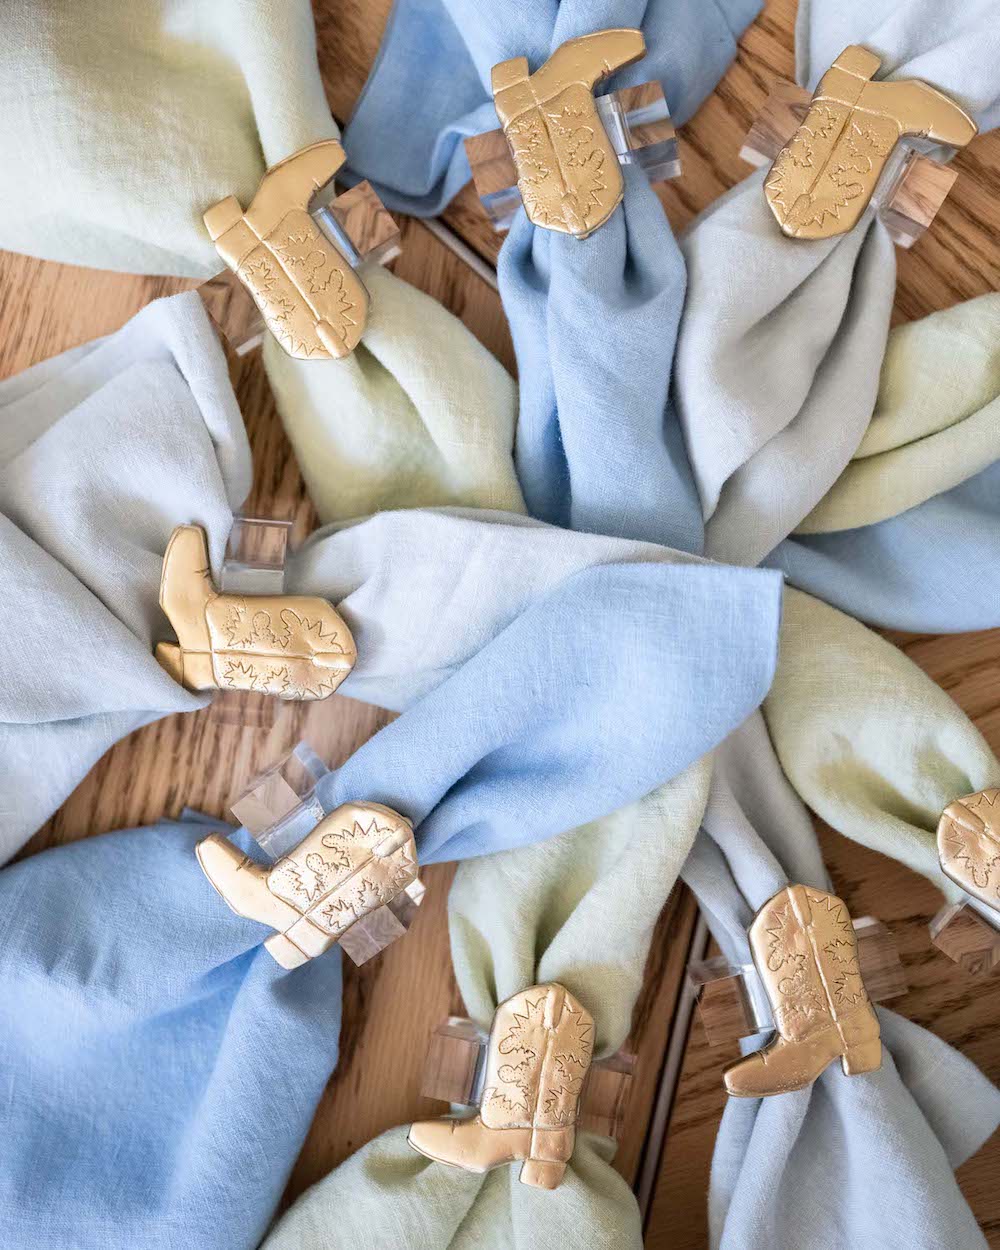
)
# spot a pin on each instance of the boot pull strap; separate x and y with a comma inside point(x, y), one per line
point(878, 131)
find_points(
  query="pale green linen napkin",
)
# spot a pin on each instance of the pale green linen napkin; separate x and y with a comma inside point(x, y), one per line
point(125, 119)
point(579, 909)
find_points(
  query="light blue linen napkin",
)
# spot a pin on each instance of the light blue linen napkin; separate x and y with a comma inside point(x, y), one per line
point(598, 446)
point(850, 1161)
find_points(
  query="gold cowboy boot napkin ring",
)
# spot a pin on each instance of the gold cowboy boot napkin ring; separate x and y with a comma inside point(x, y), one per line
point(296, 255)
point(838, 151)
point(455, 1068)
point(290, 646)
point(968, 843)
point(351, 879)
point(561, 146)
point(811, 989)
point(537, 1060)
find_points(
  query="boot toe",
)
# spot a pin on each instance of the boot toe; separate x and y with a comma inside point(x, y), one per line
point(436, 1140)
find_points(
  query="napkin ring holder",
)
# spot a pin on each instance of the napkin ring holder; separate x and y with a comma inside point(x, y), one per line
point(968, 844)
point(455, 1068)
point(292, 258)
point(560, 148)
point(853, 143)
point(248, 636)
point(538, 1059)
point(814, 976)
point(349, 877)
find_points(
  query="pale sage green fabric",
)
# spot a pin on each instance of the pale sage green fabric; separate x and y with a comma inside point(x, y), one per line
point(125, 119)
point(578, 909)
point(869, 741)
point(421, 415)
point(936, 422)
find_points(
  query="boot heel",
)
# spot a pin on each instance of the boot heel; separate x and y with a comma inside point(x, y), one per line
point(541, 1173)
point(169, 657)
point(865, 1057)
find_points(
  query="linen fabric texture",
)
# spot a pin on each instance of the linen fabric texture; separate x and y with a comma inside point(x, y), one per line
point(907, 537)
point(515, 655)
point(160, 1069)
point(182, 104)
point(598, 445)
point(177, 1073)
point(824, 1164)
point(869, 742)
point(518, 918)
point(103, 451)
point(84, 537)
point(778, 334)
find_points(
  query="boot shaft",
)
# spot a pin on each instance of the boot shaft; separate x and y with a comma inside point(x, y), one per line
point(806, 952)
point(538, 1057)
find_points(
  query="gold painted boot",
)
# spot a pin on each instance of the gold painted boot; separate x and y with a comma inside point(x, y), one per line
point(567, 171)
point(968, 841)
point(538, 1056)
point(823, 179)
point(356, 860)
point(309, 295)
point(290, 646)
point(806, 952)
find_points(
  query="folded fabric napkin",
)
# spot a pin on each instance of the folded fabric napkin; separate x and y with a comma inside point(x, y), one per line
point(183, 104)
point(855, 1146)
point(103, 450)
point(177, 1102)
point(160, 1069)
point(534, 915)
point(598, 446)
point(779, 333)
point(903, 537)
point(874, 747)
point(108, 448)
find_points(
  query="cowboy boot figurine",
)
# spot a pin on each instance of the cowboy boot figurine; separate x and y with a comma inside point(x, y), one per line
point(806, 952)
point(356, 860)
point(968, 841)
point(824, 177)
point(538, 1057)
point(291, 646)
point(567, 171)
point(308, 293)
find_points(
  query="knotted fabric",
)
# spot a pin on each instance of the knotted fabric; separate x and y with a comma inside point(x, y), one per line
point(547, 912)
point(511, 745)
point(908, 534)
point(182, 104)
point(782, 339)
point(824, 1164)
point(84, 533)
point(598, 445)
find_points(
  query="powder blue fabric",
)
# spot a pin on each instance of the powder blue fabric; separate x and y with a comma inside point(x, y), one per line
point(781, 342)
point(160, 1070)
point(594, 322)
point(596, 694)
point(850, 1161)
point(932, 569)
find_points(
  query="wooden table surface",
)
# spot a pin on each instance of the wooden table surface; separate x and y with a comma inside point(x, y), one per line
point(206, 759)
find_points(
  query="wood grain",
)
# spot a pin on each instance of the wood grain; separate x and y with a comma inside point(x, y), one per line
point(205, 759)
